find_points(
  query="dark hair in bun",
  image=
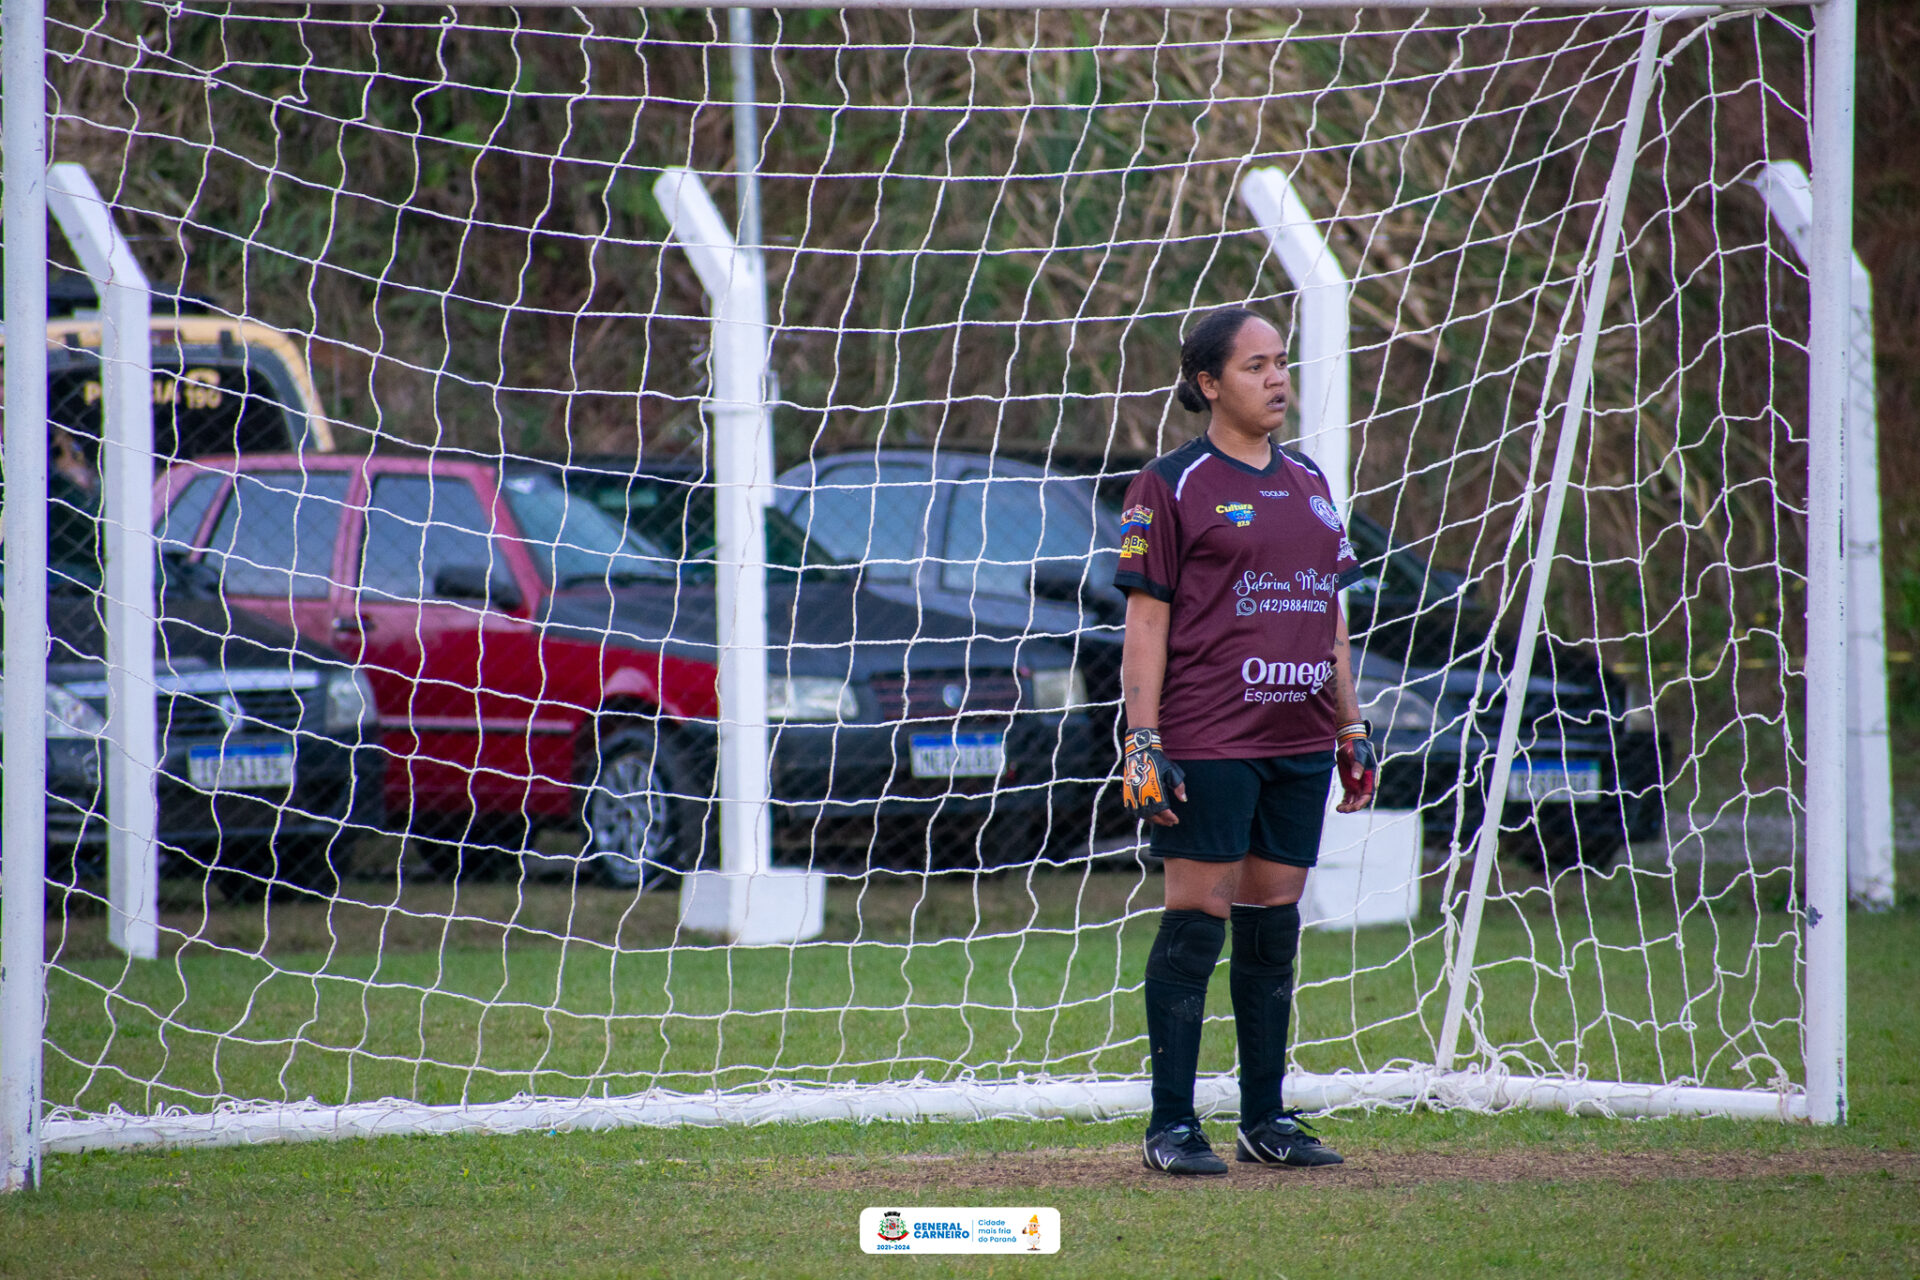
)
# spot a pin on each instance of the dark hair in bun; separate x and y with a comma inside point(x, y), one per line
point(1205, 350)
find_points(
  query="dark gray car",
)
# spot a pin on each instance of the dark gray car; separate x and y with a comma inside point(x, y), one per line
point(1024, 550)
point(268, 769)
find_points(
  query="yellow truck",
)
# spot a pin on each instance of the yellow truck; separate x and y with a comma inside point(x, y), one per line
point(220, 385)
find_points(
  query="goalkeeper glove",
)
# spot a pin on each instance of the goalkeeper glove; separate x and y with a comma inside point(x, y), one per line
point(1358, 763)
point(1147, 777)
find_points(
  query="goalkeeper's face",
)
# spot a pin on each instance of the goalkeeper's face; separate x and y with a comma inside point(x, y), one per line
point(1253, 390)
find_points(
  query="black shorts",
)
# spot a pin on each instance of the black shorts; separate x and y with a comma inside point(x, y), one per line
point(1272, 807)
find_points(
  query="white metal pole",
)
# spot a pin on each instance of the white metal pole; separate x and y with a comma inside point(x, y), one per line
point(1326, 374)
point(746, 129)
point(23, 756)
point(743, 485)
point(1870, 879)
point(1870, 847)
point(126, 380)
point(1831, 280)
point(1599, 280)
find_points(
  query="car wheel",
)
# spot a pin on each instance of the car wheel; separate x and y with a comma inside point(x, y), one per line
point(643, 825)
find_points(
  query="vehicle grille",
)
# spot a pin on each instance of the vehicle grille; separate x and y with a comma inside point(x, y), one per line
point(200, 715)
point(942, 695)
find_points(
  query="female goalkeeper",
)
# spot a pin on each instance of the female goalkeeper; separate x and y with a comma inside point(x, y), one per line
point(1238, 688)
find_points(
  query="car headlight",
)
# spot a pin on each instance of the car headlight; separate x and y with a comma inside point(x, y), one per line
point(1390, 706)
point(70, 717)
point(810, 698)
point(1059, 689)
point(349, 702)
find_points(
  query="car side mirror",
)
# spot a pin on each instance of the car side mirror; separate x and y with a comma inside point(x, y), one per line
point(1075, 582)
point(1058, 580)
point(476, 582)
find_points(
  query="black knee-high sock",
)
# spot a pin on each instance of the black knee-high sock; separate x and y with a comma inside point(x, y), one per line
point(1183, 956)
point(1265, 940)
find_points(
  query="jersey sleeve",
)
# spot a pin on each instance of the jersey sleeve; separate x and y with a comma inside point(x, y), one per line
point(1149, 539)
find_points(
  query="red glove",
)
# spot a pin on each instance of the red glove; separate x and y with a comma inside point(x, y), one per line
point(1357, 763)
point(1147, 777)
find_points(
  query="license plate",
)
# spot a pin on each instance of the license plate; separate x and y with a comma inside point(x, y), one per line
point(959, 755)
point(240, 767)
point(1576, 782)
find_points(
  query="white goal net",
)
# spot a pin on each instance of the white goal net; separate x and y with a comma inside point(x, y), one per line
point(449, 502)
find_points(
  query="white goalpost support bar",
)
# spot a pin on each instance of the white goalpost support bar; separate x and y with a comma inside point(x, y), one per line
point(1380, 848)
point(746, 900)
point(1830, 269)
point(23, 796)
point(126, 526)
point(1460, 967)
point(1870, 868)
point(1326, 372)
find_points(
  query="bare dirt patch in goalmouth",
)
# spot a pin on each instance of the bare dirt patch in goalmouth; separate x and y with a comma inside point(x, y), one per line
point(1119, 1167)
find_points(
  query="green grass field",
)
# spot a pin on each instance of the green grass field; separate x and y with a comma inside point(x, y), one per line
point(1422, 1194)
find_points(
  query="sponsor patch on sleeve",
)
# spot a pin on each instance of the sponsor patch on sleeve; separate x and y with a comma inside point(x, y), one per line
point(1136, 519)
point(1133, 545)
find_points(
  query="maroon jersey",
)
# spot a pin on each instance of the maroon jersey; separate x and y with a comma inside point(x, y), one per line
point(1251, 559)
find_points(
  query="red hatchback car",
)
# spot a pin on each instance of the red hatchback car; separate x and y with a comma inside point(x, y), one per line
point(409, 566)
point(536, 663)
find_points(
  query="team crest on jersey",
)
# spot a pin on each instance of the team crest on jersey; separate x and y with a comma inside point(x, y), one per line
point(1136, 519)
point(1324, 509)
point(1241, 513)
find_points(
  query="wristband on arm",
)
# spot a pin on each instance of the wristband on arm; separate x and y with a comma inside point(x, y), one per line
point(1147, 777)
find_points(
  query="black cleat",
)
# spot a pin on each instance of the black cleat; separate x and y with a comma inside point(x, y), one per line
point(1181, 1148)
point(1283, 1138)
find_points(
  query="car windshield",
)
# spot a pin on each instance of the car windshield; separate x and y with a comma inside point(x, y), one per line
point(679, 515)
point(1000, 526)
point(575, 543)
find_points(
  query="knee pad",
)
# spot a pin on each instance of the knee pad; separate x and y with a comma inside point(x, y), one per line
point(1266, 937)
point(1187, 948)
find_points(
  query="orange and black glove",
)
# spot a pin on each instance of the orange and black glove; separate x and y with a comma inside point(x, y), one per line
point(1358, 764)
point(1147, 777)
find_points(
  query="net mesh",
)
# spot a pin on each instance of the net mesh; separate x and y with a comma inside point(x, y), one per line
point(430, 298)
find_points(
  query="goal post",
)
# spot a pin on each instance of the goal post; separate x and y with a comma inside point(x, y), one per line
point(720, 504)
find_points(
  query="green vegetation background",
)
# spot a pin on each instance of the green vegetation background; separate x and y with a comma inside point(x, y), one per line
point(457, 217)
